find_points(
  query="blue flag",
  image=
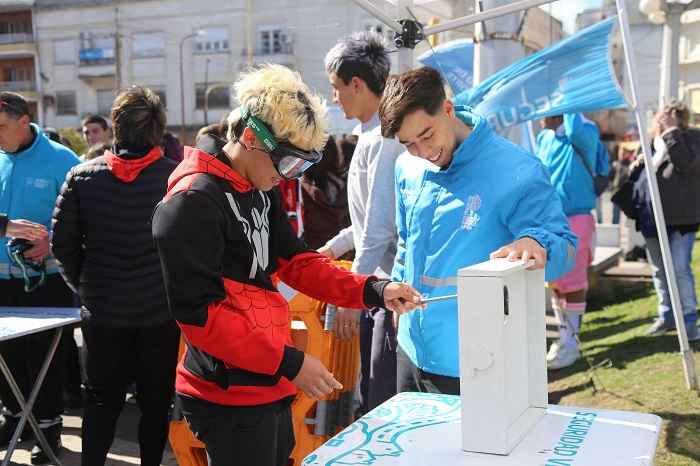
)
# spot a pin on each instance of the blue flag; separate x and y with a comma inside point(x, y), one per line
point(571, 76)
point(456, 65)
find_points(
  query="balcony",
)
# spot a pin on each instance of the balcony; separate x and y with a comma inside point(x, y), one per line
point(18, 86)
point(267, 52)
point(283, 56)
point(17, 45)
point(96, 63)
point(18, 38)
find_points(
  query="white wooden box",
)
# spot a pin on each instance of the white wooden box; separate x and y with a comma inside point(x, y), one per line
point(502, 345)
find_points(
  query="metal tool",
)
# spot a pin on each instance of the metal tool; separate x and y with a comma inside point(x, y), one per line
point(437, 298)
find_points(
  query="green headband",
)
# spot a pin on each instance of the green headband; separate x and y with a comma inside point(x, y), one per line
point(261, 132)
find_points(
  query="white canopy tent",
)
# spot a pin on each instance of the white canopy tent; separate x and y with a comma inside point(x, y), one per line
point(409, 33)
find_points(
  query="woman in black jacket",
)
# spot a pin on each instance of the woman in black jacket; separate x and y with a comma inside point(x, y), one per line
point(676, 162)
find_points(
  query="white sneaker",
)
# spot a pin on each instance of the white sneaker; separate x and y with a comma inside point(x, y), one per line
point(553, 351)
point(565, 358)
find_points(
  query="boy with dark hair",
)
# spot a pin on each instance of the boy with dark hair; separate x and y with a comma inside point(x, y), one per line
point(357, 67)
point(224, 238)
point(104, 248)
point(461, 192)
point(95, 129)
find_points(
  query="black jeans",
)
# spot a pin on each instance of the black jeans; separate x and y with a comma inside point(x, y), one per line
point(25, 355)
point(260, 439)
point(114, 358)
point(412, 379)
point(377, 358)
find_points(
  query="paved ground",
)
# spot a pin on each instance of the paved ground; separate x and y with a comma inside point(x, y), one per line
point(124, 451)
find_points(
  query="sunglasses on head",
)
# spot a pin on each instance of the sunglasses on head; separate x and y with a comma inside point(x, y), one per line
point(11, 107)
point(289, 160)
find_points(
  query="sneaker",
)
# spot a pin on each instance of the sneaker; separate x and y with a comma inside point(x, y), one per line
point(553, 351)
point(7, 430)
point(53, 437)
point(660, 326)
point(692, 331)
point(564, 358)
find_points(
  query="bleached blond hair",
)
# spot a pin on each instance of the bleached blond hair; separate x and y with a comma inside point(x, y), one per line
point(277, 96)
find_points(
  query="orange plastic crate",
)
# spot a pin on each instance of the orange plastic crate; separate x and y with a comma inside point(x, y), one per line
point(313, 424)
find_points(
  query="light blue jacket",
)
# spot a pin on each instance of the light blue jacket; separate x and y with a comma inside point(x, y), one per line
point(569, 174)
point(30, 182)
point(492, 194)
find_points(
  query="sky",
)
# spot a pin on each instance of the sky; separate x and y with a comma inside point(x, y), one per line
point(566, 10)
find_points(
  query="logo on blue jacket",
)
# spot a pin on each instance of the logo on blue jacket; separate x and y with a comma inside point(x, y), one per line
point(471, 218)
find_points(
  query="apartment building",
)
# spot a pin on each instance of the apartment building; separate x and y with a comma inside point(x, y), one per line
point(92, 47)
point(689, 55)
point(19, 57)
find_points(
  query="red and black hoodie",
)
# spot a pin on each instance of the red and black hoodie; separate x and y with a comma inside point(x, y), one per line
point(222, 243)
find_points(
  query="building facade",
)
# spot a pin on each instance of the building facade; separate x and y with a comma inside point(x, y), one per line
point(19, 54)
point(89, 48)
point(689, 58)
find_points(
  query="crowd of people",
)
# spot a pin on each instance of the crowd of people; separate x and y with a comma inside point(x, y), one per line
point(158, 243)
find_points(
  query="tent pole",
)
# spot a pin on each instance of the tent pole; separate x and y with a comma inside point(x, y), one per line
point(484, 15)
point(379, 14)
point(691, 376)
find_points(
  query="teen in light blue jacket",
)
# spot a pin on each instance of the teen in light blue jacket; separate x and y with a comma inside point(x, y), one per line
point(555, 147)
point(464, 195)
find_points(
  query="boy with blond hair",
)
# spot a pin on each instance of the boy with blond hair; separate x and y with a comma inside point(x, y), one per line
point(224, 237)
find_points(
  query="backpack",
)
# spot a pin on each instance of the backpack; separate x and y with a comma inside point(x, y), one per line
point(602, 162)
point(600, 178)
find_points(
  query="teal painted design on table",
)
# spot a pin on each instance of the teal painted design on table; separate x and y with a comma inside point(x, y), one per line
point(380, 432)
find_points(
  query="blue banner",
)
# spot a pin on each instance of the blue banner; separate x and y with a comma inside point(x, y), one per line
point(456, 63)
point(571, 76)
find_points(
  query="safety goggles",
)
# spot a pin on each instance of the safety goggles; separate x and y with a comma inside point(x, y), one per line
point(289, 160)
point(16, 247)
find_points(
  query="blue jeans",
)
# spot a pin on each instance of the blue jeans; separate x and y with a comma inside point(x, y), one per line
point(681, 252)
point(616, 214)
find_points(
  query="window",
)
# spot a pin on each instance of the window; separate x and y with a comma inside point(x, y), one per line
point(148, 44)
point(160, 92)
point(96, 51)
point(218, 97)
point(15, 26)
point(380, 28)
point(105, 100)
point(270, 41)
point(215, 40)
point(63, 51)
point(24, 74)
point(65, 103)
